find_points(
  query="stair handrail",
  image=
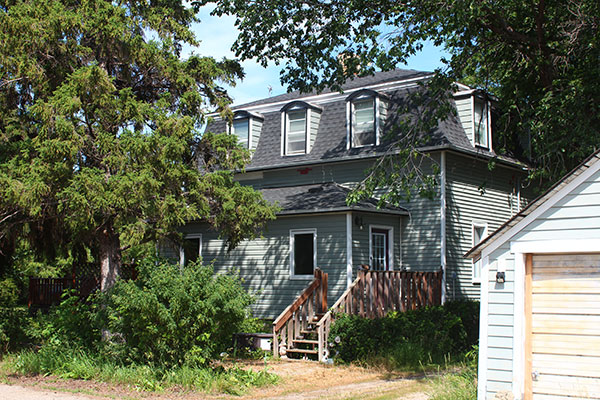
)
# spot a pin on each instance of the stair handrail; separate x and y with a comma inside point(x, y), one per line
point(319, 282)
point(325, 322)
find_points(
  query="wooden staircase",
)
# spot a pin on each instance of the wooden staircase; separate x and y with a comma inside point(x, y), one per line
point(302, 329)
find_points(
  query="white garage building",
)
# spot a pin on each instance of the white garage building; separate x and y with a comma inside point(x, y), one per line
point(540, 303)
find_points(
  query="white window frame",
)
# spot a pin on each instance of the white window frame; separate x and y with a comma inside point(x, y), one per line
point(350, 121)
point(477, 263)
point(182, 251)
point(249, 122)
point(390, 229)
point(488, 127)
point(285, 124)
point(293, 233)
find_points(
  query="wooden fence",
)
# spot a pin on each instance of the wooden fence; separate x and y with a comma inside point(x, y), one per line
point(376, 293)
point(44, 292)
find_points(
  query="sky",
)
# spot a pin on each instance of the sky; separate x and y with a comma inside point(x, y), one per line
point(217, 34)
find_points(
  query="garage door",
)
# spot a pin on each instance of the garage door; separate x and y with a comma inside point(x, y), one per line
point(564, 329)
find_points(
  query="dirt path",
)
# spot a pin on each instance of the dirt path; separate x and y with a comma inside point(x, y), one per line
point(300, 380)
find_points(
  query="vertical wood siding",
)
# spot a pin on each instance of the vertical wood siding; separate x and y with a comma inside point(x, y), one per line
point(255, 132)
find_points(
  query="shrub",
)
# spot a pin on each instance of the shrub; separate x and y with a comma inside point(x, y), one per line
point(416, 337)
point(174, 316)
point(14, 322)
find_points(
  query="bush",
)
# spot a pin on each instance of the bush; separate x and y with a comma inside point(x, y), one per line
point(426, 335)
point(175, 316)
point(14, 323)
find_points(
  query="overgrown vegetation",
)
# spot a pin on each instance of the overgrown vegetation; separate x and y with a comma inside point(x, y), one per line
point(410, 340)
point(167, 328)
point(458, 385)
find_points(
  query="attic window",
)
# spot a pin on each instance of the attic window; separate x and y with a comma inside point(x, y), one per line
point(481, 123)
point(241, 129)
point(299, 125)
point(295, 132)
point(365, 111)
point(363, 122)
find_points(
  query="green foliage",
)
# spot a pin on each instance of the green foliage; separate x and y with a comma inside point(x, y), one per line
point(460, 385)
point(9, 292)
point(538, 58)
point(101, 143)
point(399, 340)
point(14, 323)
point(70, 363)
point(172, 316)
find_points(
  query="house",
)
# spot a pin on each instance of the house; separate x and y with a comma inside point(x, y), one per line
point(309, 150)
point(540, 300)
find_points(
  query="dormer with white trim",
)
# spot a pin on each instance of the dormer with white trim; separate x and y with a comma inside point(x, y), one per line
point(299, 126)
point(247, 126)
point(474, 112)
point(366, 110)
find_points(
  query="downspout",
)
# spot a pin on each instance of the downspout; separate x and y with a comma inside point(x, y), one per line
point(443, 222)
point(349, 248)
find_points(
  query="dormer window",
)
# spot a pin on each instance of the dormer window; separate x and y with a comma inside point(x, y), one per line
point(365, 110)
point(300, 122)
point(296, 132)
point(246, 126)
point(241, 130)
point(481, 123)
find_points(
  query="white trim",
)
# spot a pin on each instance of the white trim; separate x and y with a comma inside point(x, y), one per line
point(483, 331)
point(336, 96)
point(390, 245)
point(376, 123)
point(518, 386)
point(545, 206)
point(348, 249)
point(477, 224)
point(443, 222)
point(556, 246)
point(348, 124)
point(181, 250)
point(283, 117)
point(294, 232)
point(250, 133)
point(308, 128)
point(286, 128)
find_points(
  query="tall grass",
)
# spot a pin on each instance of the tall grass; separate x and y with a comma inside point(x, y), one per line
point(456, 386)
point(77, 364)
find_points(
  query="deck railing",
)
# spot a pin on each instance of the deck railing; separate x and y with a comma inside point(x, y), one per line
point(294, 320)
point(375, 293)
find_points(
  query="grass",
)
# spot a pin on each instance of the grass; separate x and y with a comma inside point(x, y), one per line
point(461, 385)
point(77, 364)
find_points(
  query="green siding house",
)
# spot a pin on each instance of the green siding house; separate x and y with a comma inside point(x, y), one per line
point(309, 150)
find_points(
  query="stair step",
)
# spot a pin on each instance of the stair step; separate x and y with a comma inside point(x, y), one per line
point(305, 351)
point(307, 341)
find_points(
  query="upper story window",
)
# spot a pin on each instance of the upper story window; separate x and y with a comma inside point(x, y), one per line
point(365, 110)
point(481, 123)
point(300, 121)
point(241, 129)
point(247, 127)
point(478, 233)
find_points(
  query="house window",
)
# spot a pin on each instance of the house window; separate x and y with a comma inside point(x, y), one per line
point(191, 249)
point(303, 257)
point(481, 125)
point(479, 232)
point(295, 132)
point(363, 122)
point(241, 129)
point(380, 248)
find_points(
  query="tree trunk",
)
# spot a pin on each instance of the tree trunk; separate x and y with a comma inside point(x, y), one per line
point(110, 258)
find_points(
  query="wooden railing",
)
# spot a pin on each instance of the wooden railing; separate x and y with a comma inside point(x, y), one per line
point(44, 292)
point(375, 293)
point(309, 305)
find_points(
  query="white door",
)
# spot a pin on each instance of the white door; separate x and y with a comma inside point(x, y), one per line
point(563, 334)
point(379, 249)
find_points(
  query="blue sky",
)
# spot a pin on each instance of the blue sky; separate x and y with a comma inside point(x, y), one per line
point(217, 34)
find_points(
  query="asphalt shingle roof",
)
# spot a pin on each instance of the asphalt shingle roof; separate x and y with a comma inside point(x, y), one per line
point(320, 198)
point(330, 143)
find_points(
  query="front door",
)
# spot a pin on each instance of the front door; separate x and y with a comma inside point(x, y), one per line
point(379, 249)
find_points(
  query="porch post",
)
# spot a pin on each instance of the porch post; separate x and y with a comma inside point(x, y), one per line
point(348, 249)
